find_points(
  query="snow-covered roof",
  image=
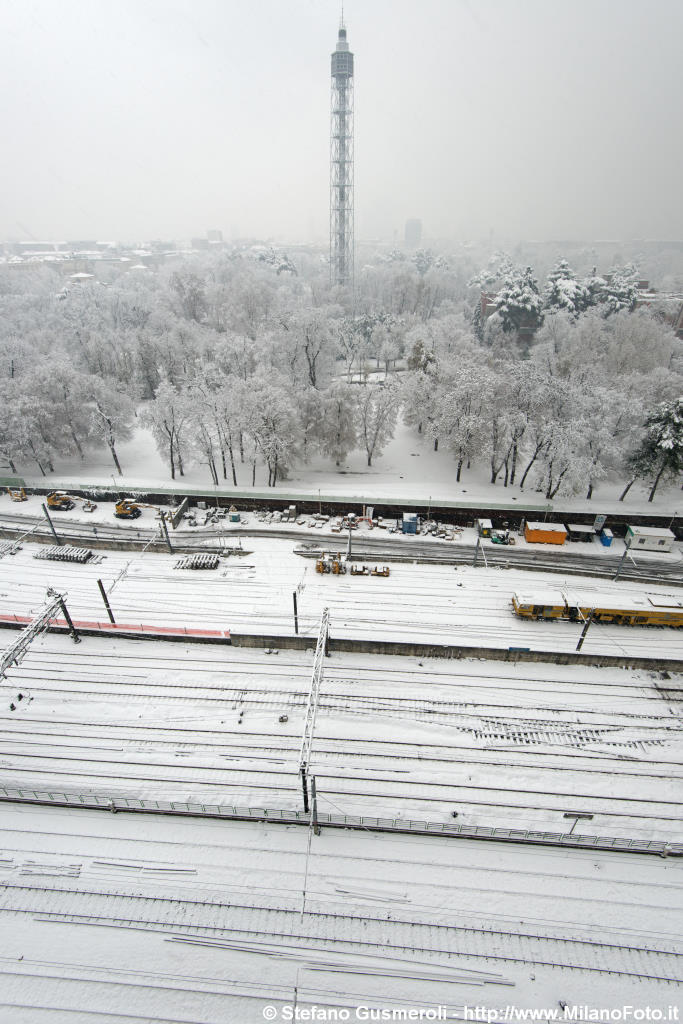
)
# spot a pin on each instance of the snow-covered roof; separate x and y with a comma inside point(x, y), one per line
point(549, 527)
point(651, 531)
point(596, 599)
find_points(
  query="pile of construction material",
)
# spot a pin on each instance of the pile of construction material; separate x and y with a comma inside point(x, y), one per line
point(197, 562)
point(55, 553)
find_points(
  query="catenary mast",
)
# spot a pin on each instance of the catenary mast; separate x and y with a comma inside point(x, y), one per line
point(341, 164)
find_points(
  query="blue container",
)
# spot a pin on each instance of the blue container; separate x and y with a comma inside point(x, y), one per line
point(606, 537)
point(409, 522)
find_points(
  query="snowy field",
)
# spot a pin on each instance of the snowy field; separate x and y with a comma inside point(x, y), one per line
point(408, 469)
point(131, 918)
point(252, 593)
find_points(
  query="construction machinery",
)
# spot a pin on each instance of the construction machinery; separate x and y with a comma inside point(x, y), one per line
point(17, 493)
point(502, 537)
point(129, 508)
point(333, 564)
point(60, 501)
point(365, 570)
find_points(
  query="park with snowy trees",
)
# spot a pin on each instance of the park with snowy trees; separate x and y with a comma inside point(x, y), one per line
point(246, 363)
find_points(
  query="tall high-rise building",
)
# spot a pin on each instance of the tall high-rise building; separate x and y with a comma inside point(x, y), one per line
point(341, 164)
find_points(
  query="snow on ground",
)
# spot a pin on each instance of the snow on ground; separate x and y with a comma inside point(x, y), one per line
point(252, 593)
point(129, 917)
point(503, 746)
point(407, 470)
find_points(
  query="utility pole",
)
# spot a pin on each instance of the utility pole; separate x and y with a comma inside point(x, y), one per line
point(314, 808)
point(621, 563)
point(304, 787)
point(296, 614)
point(72, 629)
point(103, 592)
point(164, 529)
point(65, 612)
point(476, 553)
point(585, 629)
point(54, 532)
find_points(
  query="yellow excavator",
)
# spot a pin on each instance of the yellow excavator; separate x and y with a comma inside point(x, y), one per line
point(60, 501)
point(129, 508)
point(17, 493)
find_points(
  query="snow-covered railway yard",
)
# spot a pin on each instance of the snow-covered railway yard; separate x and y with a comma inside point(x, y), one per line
point(131, 917)
point(252, 593)
point(503, 746)
point(120, 917)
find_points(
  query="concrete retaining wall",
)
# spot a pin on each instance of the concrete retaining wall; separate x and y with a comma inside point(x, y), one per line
point(419, 650)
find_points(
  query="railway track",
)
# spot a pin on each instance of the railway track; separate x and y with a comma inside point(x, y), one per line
point(281, 785)
point(287, 747)
point(456, 748)
point(427, 603)
point(209, 916)
point(433, 672)
point(648, 570)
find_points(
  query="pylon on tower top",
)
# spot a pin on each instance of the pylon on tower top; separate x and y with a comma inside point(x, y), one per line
point(341, 164)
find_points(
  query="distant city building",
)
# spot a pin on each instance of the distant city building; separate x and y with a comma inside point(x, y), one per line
point(413, 233)
point(214, 235)
point(668, 306)
point(341, 164)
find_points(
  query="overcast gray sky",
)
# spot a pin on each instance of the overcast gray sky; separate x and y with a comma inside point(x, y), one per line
point(161, 118)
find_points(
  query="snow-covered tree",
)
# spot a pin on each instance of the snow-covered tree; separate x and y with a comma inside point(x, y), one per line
point(377, 411)
point(190, 296)
point(620, 291)
point(62, 393)
point(564, 292)
point(660, 453)
point(338, 421)
point(458, 406)
point(614, 292)
point(519, 304)
point(168, 417)
point(111, 414)
point(273, 425)
point(499, 269)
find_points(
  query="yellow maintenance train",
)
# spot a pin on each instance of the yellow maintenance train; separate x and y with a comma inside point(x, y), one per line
point(633, 610)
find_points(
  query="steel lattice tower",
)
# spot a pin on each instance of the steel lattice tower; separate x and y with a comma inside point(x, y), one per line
point(341, 164)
